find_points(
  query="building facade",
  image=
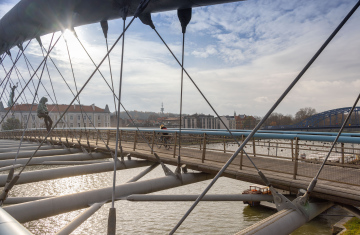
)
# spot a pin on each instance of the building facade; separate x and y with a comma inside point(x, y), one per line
point(200, 121)
point(76, 116)
point(229, 122)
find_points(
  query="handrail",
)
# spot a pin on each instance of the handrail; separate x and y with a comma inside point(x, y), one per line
point(310, 136)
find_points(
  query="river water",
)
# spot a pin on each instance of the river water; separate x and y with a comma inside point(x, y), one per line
point(157, 217)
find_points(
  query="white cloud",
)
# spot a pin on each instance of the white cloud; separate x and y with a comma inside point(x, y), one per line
point(242, 55)
point(262, 99)
point(6, 5)
point(204, 53)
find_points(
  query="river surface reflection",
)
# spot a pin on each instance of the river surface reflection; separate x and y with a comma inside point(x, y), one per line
point(156, 217)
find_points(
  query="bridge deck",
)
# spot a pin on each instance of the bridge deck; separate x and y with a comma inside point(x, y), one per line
point(330, 186)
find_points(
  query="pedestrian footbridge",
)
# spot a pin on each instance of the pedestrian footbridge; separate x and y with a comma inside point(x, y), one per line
point(288, 160)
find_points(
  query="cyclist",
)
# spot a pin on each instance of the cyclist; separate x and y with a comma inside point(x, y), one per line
point(164, 135)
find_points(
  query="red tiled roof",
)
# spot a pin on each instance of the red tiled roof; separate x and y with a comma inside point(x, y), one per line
point(57, 108)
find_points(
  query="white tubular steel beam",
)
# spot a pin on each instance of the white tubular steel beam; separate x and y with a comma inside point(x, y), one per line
point(53, 206)
point(285, 221)
point(26, 148)
point(8, 225)
point(18, 200)
point(143, 173)
point(80, 219)
point(36, 176)
point(65, 157)
point(67, 163)
point(16, 144)
point(27, 154)
point(6, 168)
point(221, 197)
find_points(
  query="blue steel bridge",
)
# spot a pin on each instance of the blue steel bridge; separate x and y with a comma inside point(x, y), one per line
point(331, 119)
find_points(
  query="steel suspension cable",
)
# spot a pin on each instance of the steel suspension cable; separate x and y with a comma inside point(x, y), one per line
point(8, 75)
point(113, 92)
point(5, 86)
point(111, 77)
point(73, 74)
point(108, 148)
point(207, 101)
point(141, 7)
point(29, 79)
point(32, 105)
point(118, 117)
point(52, 87)
point(110, 87)
point(9, 186)
point(181, 94)
point(314, 181)
point(17, 74)
point(267, 115)
point(73, 100)
point(27, 62)
point(17, 58)
point(93, 124)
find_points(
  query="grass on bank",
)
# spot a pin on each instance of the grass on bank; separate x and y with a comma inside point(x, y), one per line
point(352, 227)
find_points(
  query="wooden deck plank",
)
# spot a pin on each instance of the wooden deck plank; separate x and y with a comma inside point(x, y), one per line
point(336, 183)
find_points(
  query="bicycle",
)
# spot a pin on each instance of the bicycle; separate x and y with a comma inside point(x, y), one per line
point(164, 140)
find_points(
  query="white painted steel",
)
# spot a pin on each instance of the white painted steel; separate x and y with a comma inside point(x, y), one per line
point(80, 219)
point(18, 200)
point(220, 197)
point(143, 173)
point(67, 163)
point(66, 157)
point(285, 221)
point(27, 154)
point(31, 147)
point(52, 206)
point(40, 175)
point(9, 226)
point(6, 168)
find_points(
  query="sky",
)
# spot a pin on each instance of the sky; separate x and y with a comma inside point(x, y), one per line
point(241, 55)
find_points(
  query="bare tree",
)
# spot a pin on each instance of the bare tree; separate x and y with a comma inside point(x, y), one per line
point(304, 113)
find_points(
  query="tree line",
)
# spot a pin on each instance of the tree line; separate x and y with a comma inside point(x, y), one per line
point(278, 119)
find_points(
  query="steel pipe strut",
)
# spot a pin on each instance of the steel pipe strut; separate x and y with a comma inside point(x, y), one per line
point(80, 219)
point(220, 197)
point(53, 206)
point(8, 225)
point(40, 175)
point(27, 154)
point(13, 149)
point(285, 221)
point(66, 157)
point(18, 200)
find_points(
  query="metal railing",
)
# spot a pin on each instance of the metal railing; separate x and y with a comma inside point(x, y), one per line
point(294, 154)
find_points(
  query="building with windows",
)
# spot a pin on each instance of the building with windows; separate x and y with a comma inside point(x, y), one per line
point(76, 116)
point(229, 122)
point(200, 121)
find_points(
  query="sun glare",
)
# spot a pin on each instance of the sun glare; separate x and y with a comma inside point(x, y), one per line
point(74, 46)
point(69, 36)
